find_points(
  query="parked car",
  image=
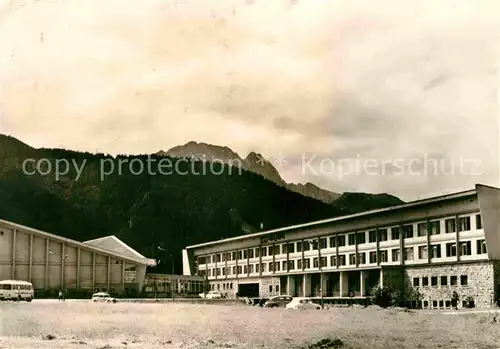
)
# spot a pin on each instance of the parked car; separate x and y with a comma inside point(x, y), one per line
point(278, 302)
point(103, 297)
point(302, 303)
point(211, 295)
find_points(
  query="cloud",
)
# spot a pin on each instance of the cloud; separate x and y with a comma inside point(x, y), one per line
point(343, 80)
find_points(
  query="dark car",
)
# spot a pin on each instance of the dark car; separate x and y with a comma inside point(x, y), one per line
point(278, 302)
point(261, 301)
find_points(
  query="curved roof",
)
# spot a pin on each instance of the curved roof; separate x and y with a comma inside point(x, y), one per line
point(138, 258)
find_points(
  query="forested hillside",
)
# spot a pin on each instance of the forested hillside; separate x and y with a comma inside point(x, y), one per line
point(146, 210)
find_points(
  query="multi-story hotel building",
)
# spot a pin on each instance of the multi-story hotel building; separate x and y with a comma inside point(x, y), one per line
point(436, 246)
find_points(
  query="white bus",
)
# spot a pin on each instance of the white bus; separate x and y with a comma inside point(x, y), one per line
point(16, 290)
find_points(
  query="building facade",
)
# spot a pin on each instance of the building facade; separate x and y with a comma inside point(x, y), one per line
point(170, 286)
point(52, 262)
point(428, 248)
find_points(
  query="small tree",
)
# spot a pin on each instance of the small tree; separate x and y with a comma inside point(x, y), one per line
point(385, 296)
point(414, 294)
point(381, 296)
point(206, 286)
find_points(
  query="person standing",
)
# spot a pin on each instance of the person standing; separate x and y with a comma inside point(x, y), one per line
point(454, 300)
point(60, 295)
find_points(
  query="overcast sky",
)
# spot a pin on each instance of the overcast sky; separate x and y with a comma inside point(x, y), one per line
point(384, 83)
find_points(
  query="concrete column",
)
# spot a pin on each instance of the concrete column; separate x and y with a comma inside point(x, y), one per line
point(401, 245)
point(381, 278)
point(287, 256)
point(291, 285)
point(428, 240)
point(47, 244)
point(141, 274)
point(260, 260)
point(344, 284)
point(78, 267)
point(457, 239)
point(216, 274)
point(63, 265)
point(207, 270)
point(378, 249)
point(274, 259)
point(302, 250)
point(307, 285)
point(319, 255)
point(30, 266)
point(336, 251)
point(237, 274)
point(13, 270)
point(362, 282)
point(225, 259)
point(108, 276)
point(324, 282)
point(356, 255)
point(93, 271)
point(248, 262)
point(123, 275)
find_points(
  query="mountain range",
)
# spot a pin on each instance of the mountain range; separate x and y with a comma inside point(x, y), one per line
point(167, 211)
point(253, 162)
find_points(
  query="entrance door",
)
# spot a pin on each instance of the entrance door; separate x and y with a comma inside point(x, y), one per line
point(354, 282)
point(299, 285)
point(333, 285)
point(283, 285)
point(248, 290)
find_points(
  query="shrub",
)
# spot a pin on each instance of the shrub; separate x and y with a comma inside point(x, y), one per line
point(469, 302)
point(386, 296)
point(381, 296)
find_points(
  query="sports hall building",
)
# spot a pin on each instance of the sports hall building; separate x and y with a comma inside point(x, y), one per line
point(434, 246)
point(52, 262)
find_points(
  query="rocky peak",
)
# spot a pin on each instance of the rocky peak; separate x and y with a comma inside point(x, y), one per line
point(253, 162)
point(257, 163)
point(203, 151)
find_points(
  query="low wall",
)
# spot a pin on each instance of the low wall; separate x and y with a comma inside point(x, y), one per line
point(183, 300)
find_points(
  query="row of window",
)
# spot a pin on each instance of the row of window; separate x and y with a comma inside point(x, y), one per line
point(229, 286)
point(441, 304)
point(162, 285)
point(340, 260)
point(15, 287)
point(465, 248)
point(225, 286)
point(443, 281)
point(380, 235)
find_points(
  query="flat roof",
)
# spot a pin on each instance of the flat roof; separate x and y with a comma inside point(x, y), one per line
point(19, 282)
point(74, 242)
point(406, 205)
point(175, 276)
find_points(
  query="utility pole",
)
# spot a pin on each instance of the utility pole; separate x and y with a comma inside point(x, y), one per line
point(173, 264)
point(172, 287)
point(156, 287)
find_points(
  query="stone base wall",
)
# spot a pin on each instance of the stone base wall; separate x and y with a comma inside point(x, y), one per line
point(267, 287)
point(480, 284)
point(483, 284)
point(496, 273)
point(227, 288)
